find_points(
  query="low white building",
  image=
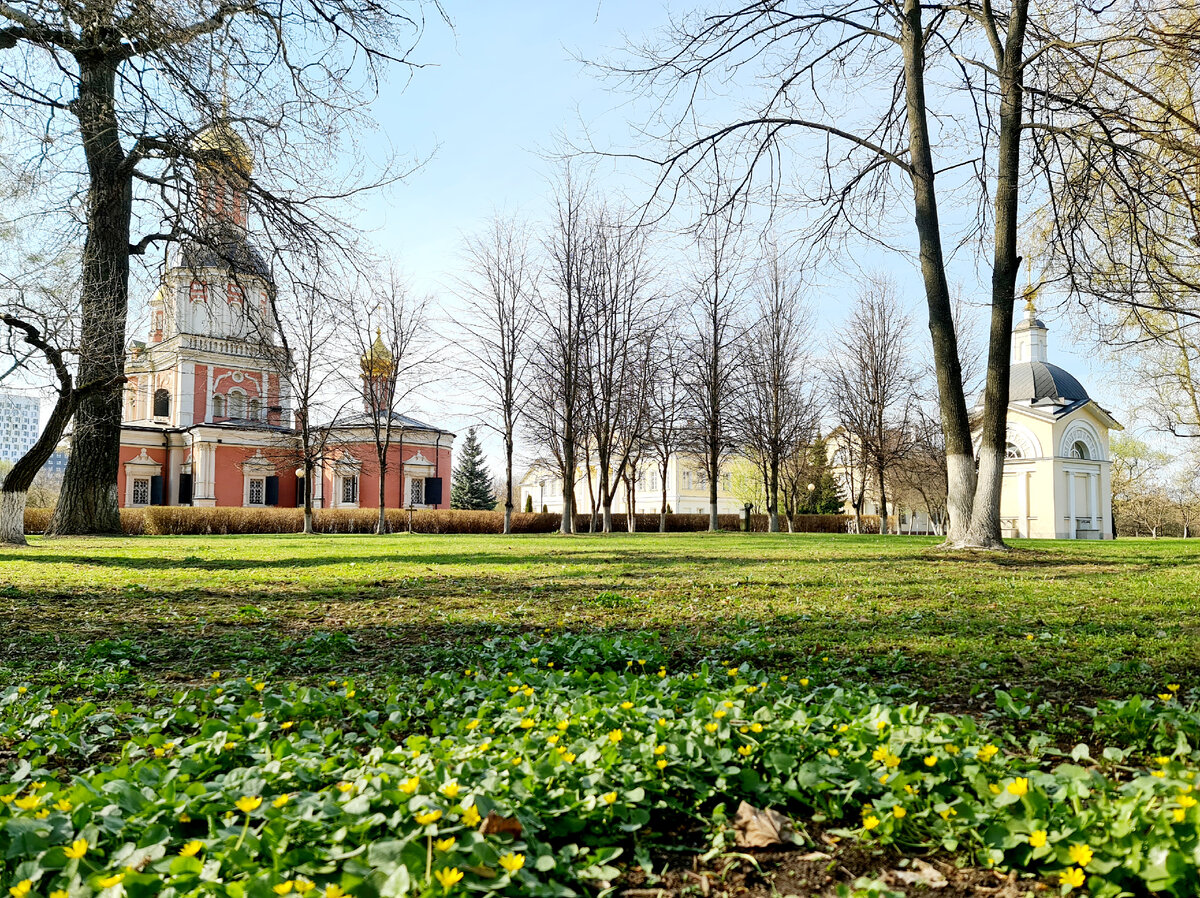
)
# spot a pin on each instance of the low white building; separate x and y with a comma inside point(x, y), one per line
point(687, 489)
point(1057, 470)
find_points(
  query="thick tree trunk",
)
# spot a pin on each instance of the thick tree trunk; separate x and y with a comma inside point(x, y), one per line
point(714, 521)
point(381, 522)
point(773, 498)
point(883, 512)
point(12, 517)
point(88, 502)
point(984, 530)
point(308, 491)
point(952, 403)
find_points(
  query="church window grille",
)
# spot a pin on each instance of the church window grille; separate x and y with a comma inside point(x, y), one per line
point(1012, 450)
point(257, 494)
point(416, 491)
point(141, 491)
point(1080, 450)
point(349, 489)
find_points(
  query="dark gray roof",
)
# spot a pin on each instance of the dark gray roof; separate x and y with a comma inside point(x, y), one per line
point(1035, 381)
point(227, 250)
point(398, 420)
point(1025, 324)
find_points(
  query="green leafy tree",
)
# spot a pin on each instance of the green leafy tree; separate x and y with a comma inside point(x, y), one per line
point(471, 487)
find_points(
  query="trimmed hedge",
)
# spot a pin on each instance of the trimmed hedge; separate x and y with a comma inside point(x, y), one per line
point(188, 521)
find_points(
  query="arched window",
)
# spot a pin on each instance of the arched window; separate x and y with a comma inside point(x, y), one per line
point(197, 292)
point(237, 404)
point(1012, 450)
point(218, 406)
point(162, 404)
point(1079, 450)
point(255, 410)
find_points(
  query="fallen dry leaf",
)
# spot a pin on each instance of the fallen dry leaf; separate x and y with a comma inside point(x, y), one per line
point(920, 873)
point(494, 824)
point(757, 828)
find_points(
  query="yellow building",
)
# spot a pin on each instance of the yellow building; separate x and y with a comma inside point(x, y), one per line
point(1057, 473)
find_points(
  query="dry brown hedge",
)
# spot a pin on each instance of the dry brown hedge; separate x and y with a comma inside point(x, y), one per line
point(188, 521)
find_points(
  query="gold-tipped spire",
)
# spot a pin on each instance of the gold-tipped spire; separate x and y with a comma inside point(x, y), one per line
point(378, 360)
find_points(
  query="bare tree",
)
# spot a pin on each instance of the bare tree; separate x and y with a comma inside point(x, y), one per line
point(558, 396)
point(666, 414)
point(617, 312)
point(121, 101)
point(308, 365)
point(714, 346)
point(388, 327)
point(872, 387)
point(776, 409)
point(499, 291)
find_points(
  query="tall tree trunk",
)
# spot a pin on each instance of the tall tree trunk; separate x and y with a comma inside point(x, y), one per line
point(309, 471)
point(773, 497)
point(883, 512)
point(567, 524)
point(606, 497)
point(88, 500)
point(952, 403)
point(381, 521)
point(984, 531)
point(714, 522)
point(508, 480)
point(662, 511)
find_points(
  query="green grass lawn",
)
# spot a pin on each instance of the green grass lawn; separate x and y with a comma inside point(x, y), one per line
point(1105, 618)
point(363, 717)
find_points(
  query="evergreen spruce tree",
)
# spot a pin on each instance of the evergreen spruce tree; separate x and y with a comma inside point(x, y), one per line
point(826, 497)
point(471, 487)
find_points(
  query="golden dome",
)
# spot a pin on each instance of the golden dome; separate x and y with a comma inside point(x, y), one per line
point(377, 360)
point(221, 141)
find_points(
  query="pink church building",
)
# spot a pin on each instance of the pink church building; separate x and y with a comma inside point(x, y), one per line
point(207, 419)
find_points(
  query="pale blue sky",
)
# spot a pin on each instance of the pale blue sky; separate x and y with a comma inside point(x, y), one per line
point(500, 88)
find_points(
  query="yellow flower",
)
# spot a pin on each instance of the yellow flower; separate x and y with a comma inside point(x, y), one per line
point(783, 679)
point(109, 881)
point(833, 752)
point(711, 727)
point(952, 749)
point(948, 813)
point(870, 822)
point(568, 756)
point(450, 789)
point(281, 801)
point(287, 724)
point(248, 803)
point(1019, 786)
point(229, 746)
point(615, 736)
point(1185, 800)
point(986, 753)
point(719, 713)
point(512, 862)
point(447, 876)
point(882, 724)
point(28, 803)
point(76, 849)
point(303, 886)
point(471, 816)
point(42, 814)
point(216, 675)
point(733, 671)
point(345, 787)
point(334, 891)
point(282, 888)
point(931, 760)
point(1037, 838)
point(898, 812)
point(1080, 854)
point(191, 849)
point(625, 706)
point(21, 889)
point(660, 749)
point(259, 687)
point(745, 751)
point(1174, 687)
point(63, 805)
point(1179, 814)
point(60, 893)
point(804, 681)
point(445, 844)
point(996, 790)
point(7, 799)
point(185, 817)
point(609, 797)
point(471, 724)
point(526, 723)
point(1072, 878)
point(661, 763)
point(1166, 696)
point(756, 727)
point(21, 690)
point(410, 785)
point(432, 816)
point(563, 724)
point(884, 778)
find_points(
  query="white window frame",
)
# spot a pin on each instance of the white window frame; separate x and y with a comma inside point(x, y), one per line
point(416, 492)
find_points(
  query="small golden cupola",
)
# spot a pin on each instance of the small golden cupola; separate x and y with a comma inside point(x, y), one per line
point(378, 376)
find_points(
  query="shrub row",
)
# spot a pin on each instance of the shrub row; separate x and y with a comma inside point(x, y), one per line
point(188, 521)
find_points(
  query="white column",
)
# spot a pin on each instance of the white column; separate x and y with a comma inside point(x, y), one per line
point(1071, 503)
point(1094, 498)
point(1023, 484)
